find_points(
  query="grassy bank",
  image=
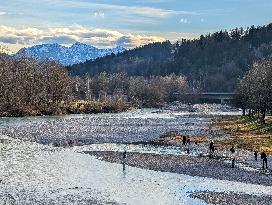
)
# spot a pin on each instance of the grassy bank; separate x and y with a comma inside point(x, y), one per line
point(246, 133)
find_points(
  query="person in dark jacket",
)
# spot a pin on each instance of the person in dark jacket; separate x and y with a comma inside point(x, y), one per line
point(232, 150)
point(124, 155)
point(188, 141)
point(256, 155)
point(184, 140)
point(264, 158)
point(212, 147)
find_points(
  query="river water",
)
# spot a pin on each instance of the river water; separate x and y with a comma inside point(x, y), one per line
point(32, 171)
point(132, 126)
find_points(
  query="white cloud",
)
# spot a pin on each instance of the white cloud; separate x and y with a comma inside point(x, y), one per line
point(130, 10)
point(2, 13)
point(99, 14)
point(69, 35)
point(129, 41)
point(184, 21)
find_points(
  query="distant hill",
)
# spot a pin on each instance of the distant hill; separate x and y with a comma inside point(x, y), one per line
point(214, 62)
point(77, 53)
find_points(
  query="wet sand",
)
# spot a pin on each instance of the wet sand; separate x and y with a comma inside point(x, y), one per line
point(188, 165)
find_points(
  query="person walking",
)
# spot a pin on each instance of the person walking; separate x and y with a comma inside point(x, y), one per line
point(232, 150)
point(264, 158)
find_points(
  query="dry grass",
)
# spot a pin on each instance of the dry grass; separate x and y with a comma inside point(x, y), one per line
point(246, 133)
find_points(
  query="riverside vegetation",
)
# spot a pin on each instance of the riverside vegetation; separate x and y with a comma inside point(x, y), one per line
point(29, 87)
point(246, 133)
point(253, 130)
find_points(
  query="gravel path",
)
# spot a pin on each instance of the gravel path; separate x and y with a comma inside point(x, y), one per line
point(193, 166)
point(222, 198)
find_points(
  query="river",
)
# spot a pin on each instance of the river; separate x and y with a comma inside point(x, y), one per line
point(32, 171)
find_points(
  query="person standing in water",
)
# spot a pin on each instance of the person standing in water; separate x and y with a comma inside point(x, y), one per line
point(232, 150)
point(124, 156)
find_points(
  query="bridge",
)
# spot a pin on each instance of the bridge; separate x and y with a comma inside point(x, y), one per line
point(212, 97)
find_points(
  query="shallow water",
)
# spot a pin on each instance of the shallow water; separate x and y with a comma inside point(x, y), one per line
point(46, 175)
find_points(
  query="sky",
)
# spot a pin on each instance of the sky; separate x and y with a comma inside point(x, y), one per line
point(127, 23)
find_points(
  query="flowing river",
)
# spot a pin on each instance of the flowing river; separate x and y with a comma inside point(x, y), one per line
point(32, 171)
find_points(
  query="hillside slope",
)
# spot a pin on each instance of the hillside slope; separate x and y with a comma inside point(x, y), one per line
point(214, 62)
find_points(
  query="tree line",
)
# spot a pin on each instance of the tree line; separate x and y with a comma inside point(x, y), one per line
point(254, 90)
point(214, 61)
point(153, 91)
point(30, 87)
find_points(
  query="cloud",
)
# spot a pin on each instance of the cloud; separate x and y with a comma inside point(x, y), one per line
point(2, 13)
point(129, 41)
point(99, 14)
point(68, 35)
point(9, 39)
point(144, 11)
point(184, 21)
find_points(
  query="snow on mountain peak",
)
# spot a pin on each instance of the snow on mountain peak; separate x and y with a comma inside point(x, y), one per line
point(77, 53)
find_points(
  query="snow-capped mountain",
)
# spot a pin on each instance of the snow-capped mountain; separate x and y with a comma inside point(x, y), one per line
point(77, 53)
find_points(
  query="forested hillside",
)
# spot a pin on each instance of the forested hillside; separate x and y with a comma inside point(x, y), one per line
point(146, 60)
point(214, 61)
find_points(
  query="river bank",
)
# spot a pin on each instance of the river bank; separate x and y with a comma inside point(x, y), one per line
point(245, 133)
point(223, 198)
point(74, 107)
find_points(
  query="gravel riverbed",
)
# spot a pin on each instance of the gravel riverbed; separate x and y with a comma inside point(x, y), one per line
point(222, 198)
point(188, 165)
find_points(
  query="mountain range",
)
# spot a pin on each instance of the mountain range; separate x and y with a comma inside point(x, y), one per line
point(77, 53)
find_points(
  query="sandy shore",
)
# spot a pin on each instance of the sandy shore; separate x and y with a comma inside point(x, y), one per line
point(193, 166)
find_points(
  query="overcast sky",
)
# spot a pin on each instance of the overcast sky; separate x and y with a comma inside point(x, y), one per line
point(127, 23)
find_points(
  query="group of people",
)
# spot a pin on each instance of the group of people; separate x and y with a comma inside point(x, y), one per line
point(186, 140)
point(232, 151)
